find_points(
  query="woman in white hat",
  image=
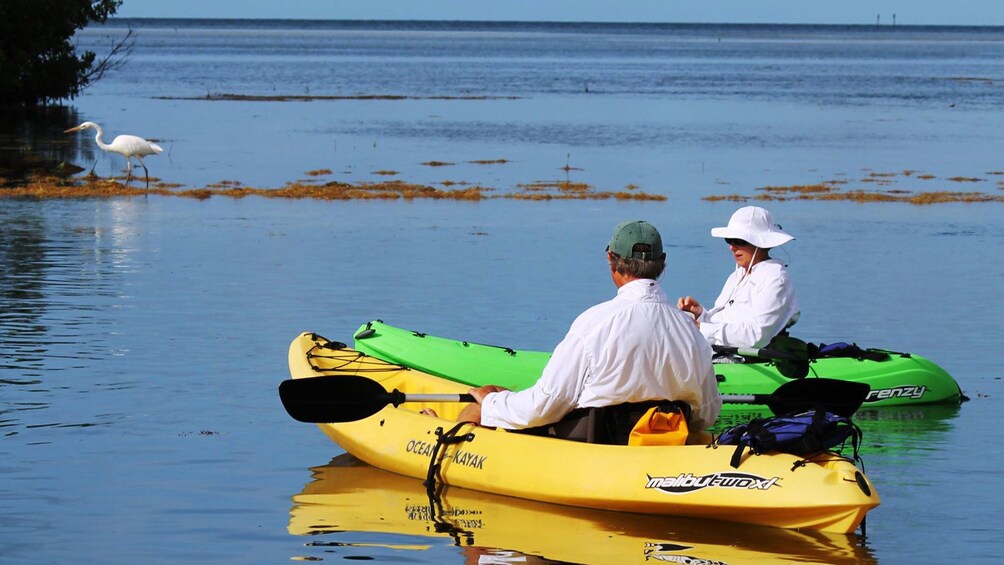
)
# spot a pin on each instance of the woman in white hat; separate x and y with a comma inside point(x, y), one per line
point(758, 300)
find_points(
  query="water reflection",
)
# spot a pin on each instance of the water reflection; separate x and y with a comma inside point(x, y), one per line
point(356, 511)
point(901, 429)
point(61, 290)
point(22, 290)
point(32, 138)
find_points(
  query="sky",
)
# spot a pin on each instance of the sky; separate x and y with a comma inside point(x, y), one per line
point(906, 12)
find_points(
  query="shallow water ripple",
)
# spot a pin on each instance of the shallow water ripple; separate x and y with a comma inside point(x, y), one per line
point(62, 280)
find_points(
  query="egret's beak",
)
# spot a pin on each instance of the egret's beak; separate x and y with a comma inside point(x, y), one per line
point(78, 128)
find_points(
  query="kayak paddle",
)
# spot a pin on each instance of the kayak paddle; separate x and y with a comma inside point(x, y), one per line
point(790, 355)
point(346, 398)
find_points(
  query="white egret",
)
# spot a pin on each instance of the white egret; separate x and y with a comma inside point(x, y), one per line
point(128, 146)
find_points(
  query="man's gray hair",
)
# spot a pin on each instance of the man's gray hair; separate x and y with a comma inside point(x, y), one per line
point(638, 268)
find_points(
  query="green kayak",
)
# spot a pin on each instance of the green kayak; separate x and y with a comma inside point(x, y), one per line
point(896, 379)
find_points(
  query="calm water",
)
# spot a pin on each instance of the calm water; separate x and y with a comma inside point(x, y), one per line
point(142, 340)
point(672, 109)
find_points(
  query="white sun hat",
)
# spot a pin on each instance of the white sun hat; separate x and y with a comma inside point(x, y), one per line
point(755, 225)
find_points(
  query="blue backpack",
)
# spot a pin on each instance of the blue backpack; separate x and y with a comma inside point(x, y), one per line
point(808, 433)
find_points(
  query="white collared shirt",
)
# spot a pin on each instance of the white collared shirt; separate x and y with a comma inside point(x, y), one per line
point(753, 309)
point(632, 348)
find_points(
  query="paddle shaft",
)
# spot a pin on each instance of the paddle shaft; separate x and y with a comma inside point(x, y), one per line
point(446, 397)
point(438, 398)
point(753, 352)
point(348, 398)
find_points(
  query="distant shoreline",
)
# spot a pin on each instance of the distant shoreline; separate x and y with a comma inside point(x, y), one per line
point(557, 26)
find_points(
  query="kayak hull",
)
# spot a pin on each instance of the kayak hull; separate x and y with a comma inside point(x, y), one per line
point(828, 494)
point(901, 380)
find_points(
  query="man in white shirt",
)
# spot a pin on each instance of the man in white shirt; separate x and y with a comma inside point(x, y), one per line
point(758, 300)
point(636, 347)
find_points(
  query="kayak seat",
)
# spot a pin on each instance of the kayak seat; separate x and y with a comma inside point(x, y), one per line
point(608, 425)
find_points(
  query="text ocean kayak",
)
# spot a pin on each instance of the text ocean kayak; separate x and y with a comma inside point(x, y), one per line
point(827, 492)
point(899, 379)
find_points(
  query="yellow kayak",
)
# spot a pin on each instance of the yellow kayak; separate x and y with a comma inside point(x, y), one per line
point(826, 493)
point(348, 497)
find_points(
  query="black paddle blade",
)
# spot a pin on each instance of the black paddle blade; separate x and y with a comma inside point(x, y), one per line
point(344, 398)
point(837, 396)
point(793, 359)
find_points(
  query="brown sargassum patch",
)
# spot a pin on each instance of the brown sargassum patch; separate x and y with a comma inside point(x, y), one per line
point(568, 190)
point(887, 191)
point(42, 186)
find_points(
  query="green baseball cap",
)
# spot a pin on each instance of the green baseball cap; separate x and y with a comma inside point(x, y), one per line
point(631, 233)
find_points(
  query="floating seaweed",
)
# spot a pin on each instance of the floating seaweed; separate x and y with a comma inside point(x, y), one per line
point(51, 186)
point(799, 188)
point(727, 198)
point(563, 186)
point(831, 191)
point(40, 185)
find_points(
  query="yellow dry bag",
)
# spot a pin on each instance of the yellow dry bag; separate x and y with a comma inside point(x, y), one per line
point(660, 425)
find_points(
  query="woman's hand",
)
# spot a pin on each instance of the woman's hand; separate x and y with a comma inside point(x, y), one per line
point(690, 305)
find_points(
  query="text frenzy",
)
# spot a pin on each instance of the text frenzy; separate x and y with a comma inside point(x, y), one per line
point(915, 392)
point(687, 482)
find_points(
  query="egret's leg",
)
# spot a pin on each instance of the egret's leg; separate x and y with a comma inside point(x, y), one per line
point(128, 169)
point(146, 173)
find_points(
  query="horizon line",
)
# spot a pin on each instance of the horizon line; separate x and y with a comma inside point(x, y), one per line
point(545, 22)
